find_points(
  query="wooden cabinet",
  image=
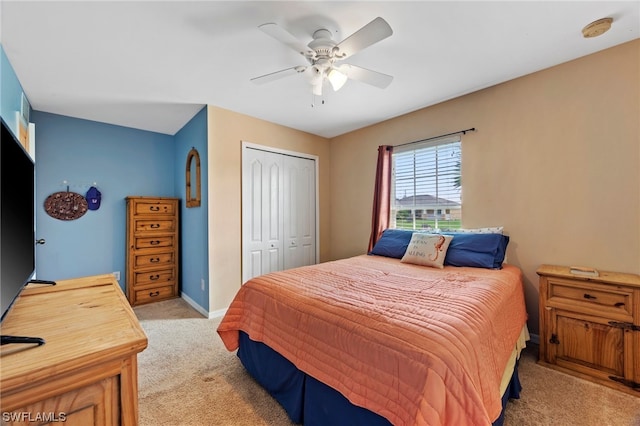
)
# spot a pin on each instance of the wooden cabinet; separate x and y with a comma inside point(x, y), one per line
point(86, 371)
point(152, 249)
point(590, 326)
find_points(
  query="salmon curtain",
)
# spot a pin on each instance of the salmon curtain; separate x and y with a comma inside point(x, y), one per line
point(381, 195)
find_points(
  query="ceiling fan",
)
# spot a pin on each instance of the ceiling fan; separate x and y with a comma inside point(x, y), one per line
point(323, 55)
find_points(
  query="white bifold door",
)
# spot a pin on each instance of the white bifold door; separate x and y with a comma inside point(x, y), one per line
point(278, 211)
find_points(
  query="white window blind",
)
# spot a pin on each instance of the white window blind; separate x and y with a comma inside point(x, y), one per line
point(426, 185)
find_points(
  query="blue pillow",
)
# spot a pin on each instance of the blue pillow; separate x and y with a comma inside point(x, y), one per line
point(502, 252)
point(476, 250)
point(392, 243)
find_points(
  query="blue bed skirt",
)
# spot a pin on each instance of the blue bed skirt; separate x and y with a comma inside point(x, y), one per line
point(312, 403)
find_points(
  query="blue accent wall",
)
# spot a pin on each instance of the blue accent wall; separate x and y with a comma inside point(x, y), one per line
point(194, 241)
point(120, 161)
point(10, 92)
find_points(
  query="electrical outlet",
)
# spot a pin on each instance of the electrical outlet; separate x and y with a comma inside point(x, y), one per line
point(117, 275)
point(202, 284)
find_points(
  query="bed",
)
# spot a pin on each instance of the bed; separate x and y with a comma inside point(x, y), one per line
point(381, 339)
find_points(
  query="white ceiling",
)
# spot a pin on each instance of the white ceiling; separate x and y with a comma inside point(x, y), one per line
point(152, 65)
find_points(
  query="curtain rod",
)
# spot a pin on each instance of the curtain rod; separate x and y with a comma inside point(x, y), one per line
point(464, 132)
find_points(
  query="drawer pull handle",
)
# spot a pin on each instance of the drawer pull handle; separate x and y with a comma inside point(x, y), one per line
point(588, 296)
point(154, 260)
point(154, 277)
point(154, 294)
point(619, 304)
point(154, 208)
point(154, 225)
point(154, 242)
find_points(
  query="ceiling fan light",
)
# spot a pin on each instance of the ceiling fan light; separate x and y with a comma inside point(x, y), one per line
point(337, 79)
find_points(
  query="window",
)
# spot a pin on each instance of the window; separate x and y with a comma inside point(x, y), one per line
point(426, 185)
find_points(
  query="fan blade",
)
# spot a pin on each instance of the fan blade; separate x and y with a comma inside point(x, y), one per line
point(285, 37)
point(364, 75)
point(277, 75)
point(373, 32)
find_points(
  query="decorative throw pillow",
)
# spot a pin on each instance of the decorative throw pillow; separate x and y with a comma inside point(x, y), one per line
point(427, 250)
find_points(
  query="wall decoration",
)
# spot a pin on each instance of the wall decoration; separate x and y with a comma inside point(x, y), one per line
point(65, 205)
point(193, 165)
point(94, 196)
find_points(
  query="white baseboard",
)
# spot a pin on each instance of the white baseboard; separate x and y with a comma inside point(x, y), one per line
point(218, 313)
point(194, 305)
point(201, 310)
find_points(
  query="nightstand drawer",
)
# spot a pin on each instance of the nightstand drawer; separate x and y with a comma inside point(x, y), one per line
point(159, 225)
point(590, 296)
point(154, 207)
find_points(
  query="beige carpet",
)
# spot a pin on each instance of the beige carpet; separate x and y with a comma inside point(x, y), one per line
point(187, 377)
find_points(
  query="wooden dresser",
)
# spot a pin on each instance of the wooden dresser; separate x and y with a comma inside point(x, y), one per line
point(590, 326)
point(86, 373)
point(152, 249)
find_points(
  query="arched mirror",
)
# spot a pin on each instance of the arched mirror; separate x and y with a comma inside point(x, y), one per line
point(193, 168)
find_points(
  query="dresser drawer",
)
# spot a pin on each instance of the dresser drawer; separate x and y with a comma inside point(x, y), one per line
point(154, 207)
point(154, 242)
point(154, 259)
point(591, 297)
point(161, 276)
point(157, 225)
point(155, 293)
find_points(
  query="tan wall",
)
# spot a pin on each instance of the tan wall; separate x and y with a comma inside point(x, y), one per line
point(226, 131)
point(555, 154)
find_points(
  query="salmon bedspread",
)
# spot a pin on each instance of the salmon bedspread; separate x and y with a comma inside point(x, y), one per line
point(414, 344)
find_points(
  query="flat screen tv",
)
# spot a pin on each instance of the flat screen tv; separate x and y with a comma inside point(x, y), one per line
point(17, 230)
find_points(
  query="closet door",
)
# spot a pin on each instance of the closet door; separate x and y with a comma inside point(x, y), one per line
point(299, 212)
point(262, 206)
point(278, 212)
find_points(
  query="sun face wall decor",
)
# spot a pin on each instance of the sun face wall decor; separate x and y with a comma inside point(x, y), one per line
point(193, 166)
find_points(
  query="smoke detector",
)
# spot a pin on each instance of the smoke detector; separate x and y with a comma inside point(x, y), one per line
point(597, 28)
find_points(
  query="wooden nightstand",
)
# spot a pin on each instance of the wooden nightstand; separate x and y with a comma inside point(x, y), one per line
point(590, 326)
